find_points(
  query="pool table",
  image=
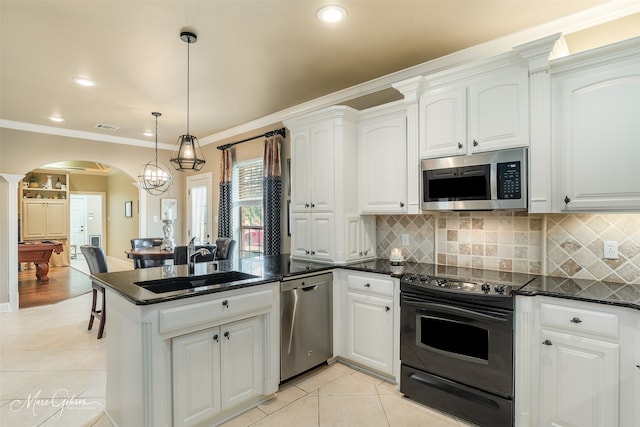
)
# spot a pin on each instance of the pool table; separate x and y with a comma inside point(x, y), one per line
point(39, 253)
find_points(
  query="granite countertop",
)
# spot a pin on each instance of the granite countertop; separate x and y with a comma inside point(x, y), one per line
point(280, 267)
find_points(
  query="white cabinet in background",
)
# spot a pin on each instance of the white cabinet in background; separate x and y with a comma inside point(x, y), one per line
point(382, 152)
point(574, 364)
point(361, 237)
point(596, 130)
point(324, 182)
point(216, 369)
point(44, 219)
point(474, 113)
point(313, 236)
point(371, 315)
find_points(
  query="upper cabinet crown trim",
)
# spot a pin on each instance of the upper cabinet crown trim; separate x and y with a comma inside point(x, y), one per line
point(601, 55)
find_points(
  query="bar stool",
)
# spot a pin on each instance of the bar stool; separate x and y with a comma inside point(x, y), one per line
point(97, 264)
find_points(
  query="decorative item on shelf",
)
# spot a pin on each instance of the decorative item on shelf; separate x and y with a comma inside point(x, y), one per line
point(396, 257)
point(168, 208)
point(58, 184)
point(156, 177)
point(187, 154)
point(48, 185)
point(33, 182)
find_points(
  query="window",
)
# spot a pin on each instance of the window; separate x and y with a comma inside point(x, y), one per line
point(247, 198)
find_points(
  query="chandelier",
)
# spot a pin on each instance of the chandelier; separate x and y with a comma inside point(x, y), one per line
point(156, 178)
point(187, 154)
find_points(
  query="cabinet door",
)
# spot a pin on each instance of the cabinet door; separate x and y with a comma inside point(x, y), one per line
point(499, 112)
point(370, 331)
point(322, 168)
point(443, 123)
point(383, 165)
point(57, 220)
point(301, 170)
point(241, 361)
point(196, 376)
point(301, 235)
point(34, 219)
point(596, 131)
point(579, 381)
point(353, 238)
point(322, 232)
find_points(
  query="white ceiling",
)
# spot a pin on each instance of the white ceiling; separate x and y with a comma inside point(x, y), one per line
point(252, 58)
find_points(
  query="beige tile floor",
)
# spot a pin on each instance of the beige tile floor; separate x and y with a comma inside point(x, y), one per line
point(52, 373)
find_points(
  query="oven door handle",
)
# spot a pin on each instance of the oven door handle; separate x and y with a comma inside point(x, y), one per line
point(483, 313)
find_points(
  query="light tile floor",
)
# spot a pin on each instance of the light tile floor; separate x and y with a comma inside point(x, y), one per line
point(53, 373)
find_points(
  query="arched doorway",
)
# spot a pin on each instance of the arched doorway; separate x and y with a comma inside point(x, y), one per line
point(84, 197)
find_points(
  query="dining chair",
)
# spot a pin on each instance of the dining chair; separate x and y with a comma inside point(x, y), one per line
point(97, 263)
point(225, 247)
point(146, 242)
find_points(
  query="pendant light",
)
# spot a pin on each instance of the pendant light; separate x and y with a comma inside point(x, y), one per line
point(156, 177)
point(187, 155)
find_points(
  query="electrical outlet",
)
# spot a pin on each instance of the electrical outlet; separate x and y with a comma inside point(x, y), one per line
point(610, 250)
point(405, 240)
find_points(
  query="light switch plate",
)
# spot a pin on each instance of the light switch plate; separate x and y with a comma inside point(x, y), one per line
point(405, 240)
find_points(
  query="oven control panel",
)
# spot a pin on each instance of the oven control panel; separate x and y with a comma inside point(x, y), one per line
point(457, 285)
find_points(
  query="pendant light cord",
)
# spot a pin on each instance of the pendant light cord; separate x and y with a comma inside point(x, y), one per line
point(188, 74)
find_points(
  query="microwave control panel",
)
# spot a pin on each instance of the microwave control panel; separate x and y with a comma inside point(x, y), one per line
point(509, 180)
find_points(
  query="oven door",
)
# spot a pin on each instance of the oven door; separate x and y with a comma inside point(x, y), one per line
point(469, 344)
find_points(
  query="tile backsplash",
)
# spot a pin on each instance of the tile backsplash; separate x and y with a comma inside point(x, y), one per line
point(564, 245)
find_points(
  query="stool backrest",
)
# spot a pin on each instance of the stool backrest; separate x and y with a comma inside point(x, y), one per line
point(95, 257)
point(225, 247)
point(146, 242)
point(180, 254)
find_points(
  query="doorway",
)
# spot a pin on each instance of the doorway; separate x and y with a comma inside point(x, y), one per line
point(86, 225)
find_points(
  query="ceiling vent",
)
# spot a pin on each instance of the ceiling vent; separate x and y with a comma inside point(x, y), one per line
point(107, 127)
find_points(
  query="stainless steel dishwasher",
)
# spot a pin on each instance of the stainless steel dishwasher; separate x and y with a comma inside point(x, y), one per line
point(306, 331)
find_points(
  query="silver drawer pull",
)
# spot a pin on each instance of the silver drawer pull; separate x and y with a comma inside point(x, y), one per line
point(576, 320)
point(547, 342)
point(367, 285)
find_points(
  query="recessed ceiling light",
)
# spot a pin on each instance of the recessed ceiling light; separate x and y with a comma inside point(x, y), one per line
point(56, 119)
point(332, 13)
point(84, 81)
point(148, 134)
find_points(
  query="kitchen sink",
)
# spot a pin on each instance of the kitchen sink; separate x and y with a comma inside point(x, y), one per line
point(181, 283)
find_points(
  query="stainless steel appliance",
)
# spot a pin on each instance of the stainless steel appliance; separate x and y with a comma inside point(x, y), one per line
point(456, 346)
point(306, 331)
point(483, 181)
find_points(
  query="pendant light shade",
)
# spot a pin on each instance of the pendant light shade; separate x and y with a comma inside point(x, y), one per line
point(156, 177)
point(187, 155)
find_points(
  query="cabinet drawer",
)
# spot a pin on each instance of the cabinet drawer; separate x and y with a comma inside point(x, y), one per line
point(218, 309)
point(579, 320)
point(370, 285)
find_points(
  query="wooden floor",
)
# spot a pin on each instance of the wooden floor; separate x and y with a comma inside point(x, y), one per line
point(64, 283)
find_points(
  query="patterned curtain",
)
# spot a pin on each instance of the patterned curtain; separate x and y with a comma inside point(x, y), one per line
point(224, 214)
point(272, 196)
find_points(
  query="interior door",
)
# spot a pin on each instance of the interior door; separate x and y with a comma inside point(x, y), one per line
point(78, 219)
point(199, 202)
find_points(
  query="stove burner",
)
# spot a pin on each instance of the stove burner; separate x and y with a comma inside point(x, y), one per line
point(465, 286)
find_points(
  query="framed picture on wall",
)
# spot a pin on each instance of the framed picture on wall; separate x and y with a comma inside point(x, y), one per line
point(128, 209)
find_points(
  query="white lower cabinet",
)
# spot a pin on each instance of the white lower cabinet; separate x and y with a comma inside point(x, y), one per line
point(370, 330)
point(366, 317)
point(215, 369)
point(192, 361)
point(579, 381)
point(575, 364)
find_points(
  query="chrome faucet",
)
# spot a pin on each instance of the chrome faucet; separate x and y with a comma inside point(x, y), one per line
point(192, 253)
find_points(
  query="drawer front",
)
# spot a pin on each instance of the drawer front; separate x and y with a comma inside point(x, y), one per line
point(219, 309)
point(370, 285)
point(579, 320)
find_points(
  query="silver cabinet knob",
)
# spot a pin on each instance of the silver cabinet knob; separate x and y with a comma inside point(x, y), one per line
point(459, 146)
point(547, 342)
point(576, 320)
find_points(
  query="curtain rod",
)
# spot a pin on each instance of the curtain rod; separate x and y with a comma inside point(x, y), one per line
point(282, 132)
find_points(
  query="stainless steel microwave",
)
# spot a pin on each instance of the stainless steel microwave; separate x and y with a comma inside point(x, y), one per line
point(483, 181)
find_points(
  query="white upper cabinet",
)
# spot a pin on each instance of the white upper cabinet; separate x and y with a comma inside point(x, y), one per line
point(382, 152)
point(596, 129)
point(477, 108)
point(324, 182)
